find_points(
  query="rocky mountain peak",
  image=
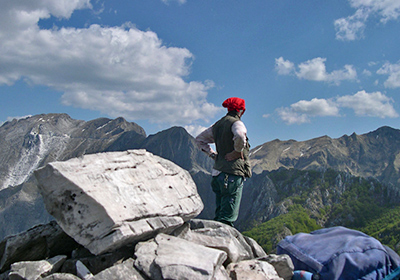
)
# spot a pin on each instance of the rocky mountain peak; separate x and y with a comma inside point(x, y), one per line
point(34, 141)
point(177, 145)
point(375, 154)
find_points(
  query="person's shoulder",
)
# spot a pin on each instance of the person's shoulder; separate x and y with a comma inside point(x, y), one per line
point(239, 122)
point(239, 126)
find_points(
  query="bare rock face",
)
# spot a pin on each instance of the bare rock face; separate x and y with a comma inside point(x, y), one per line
point(40, 242)
point(282, 264)
point(199, 249)
point(36, 269)
point(107, 200)
point(219, 236)
point(252, 269)
point(169, 257)
point(122, 271)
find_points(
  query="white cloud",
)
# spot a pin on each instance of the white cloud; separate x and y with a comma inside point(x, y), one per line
point(315, 70)
point(195, 130)
point(347, 73)
point(20, 16)
point(300, 112)
point(179, 1)
point(289, 116)
point(9, 119)
point(352, 27)
point(367, 73)
point(385, 9)
point(373, 104)
point(119, 71)
point(393, 70)
point(284, 67)
point(316, 107)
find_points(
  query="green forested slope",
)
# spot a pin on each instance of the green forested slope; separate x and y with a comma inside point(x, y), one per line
point(329, 198)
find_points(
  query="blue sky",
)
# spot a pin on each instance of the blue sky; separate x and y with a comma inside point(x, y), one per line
point(305, 68)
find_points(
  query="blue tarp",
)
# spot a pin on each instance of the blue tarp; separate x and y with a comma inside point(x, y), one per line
point(340, 253)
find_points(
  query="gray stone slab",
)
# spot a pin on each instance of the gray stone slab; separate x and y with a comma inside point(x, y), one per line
point(107, 200)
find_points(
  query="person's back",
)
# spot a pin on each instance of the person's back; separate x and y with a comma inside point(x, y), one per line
point(223, 136)
point(231, 159)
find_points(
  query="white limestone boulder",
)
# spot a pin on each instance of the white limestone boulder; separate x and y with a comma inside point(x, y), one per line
point(107, 200)
point(252, 269)
point(32, 270)
point(222, 237)
point(122, 271)
point(169, 257)
point(61, 276)
point(282, 263)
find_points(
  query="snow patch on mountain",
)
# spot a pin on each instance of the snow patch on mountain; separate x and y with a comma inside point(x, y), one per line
point(36, 147)
point(29, 143)
point(254, 152)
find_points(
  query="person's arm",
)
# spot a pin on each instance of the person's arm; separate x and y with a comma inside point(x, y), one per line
point(203, 141)
point(239, 140)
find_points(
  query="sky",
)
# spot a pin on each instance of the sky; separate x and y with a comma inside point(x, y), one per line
point(305, 68)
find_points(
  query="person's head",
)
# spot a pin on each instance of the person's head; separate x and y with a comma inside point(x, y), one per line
point(235, 104)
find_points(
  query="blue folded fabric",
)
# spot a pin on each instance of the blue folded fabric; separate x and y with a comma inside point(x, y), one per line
point(340, 253)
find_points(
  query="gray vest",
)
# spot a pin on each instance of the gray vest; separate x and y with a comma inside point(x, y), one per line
point(223, 137)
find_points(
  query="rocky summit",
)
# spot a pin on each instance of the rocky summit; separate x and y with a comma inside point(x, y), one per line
point(30, 143)
point(130, 215)
point(106, 200)
point(33, 142)
point(350, 181)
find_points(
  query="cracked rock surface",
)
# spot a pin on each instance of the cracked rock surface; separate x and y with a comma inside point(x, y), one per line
point(107, 200)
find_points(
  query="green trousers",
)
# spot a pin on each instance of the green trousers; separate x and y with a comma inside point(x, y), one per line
point(228, 193)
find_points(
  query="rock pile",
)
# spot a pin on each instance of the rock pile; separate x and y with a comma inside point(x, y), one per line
point(107, 200)
point(130, 215)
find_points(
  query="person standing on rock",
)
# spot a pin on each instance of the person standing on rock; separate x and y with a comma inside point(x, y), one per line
point(232, 165)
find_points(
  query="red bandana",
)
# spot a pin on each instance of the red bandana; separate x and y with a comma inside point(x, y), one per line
point(234, 104)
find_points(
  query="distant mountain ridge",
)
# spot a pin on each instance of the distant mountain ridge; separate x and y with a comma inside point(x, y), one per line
point(30, 143)
point(374, 154)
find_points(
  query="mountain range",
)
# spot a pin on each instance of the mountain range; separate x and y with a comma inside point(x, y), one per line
point(314, 176)
point(374, 154)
